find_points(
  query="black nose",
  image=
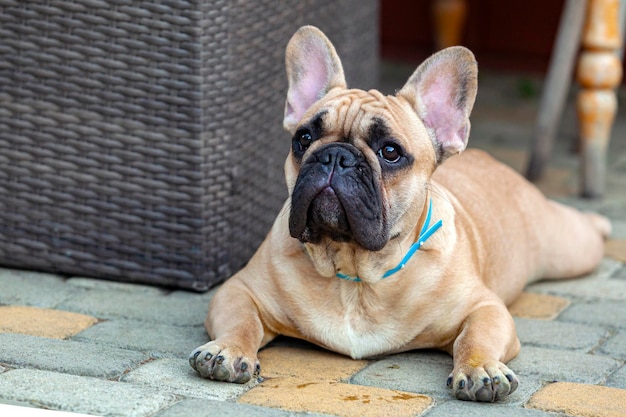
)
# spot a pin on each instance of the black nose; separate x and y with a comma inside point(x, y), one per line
point(338, 155)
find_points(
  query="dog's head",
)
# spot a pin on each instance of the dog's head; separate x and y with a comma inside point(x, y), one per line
point(360, 161)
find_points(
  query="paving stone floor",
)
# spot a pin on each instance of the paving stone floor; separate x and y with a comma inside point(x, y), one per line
point(115, 349)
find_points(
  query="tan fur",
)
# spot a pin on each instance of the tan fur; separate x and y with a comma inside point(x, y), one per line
point(499, 234)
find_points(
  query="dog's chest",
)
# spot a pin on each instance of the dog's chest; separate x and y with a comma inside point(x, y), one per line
point(355, 331)
point(352, 337)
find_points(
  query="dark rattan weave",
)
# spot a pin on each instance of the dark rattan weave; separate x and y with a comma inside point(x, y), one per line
point(142, 140)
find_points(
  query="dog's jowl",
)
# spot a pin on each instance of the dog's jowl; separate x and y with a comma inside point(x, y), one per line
point(390, 240)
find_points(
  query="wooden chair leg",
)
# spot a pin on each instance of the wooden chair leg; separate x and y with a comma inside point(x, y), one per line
point(449, 21)
point(557, 84)
point(599, 73)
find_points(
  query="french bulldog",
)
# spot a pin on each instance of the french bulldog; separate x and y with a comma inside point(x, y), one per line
point(381, 247)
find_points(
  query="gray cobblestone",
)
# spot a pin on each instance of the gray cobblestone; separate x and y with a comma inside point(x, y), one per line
point(189, 311)
point(618, 229)
point(601, 313)
point(614, 208)
point(422, 372)
point(426, 373)
point(611, 207)
point(615, 346)
point(563, 365)
point(466, 409)
point(618, 378)
point(176, 376)
point(157, 340)
point(206, 297)
point(81, 394)
point(4, 401)
point(620, 273)
point(66, 356)
point(33, 288)
point(209, 408)
point(594, 286)
point(555, 334)
point(99, 284)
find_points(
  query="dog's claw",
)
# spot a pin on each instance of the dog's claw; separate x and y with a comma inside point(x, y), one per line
point(513, 381)
point(192, 359)
point(219, 363)
point(491, 382)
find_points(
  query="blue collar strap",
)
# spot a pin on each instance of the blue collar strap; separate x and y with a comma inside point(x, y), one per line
point(426, 232)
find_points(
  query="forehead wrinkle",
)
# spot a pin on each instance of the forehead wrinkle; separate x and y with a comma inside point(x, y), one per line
point(353, 105)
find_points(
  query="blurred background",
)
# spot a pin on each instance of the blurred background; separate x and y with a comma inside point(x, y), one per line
point(514, 43)
point(513, 35)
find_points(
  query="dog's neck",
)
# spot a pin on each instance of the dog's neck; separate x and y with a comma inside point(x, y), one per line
point(349, 262)
point(426, 231)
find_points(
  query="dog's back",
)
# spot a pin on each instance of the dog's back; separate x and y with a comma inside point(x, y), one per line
point(537, 237)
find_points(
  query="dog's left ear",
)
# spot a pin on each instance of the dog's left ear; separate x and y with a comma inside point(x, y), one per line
point(313, 68)
point(442, 91)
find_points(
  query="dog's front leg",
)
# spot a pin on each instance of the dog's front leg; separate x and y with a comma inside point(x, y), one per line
point(237, 333)
point(486, 341)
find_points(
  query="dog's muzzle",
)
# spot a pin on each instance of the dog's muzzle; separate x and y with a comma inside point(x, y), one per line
point(336, 195)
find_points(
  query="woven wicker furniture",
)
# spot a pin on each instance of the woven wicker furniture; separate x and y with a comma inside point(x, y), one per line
point(142, 140)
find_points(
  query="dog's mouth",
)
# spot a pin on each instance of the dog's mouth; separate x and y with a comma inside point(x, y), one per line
point(327, 217)
point(338, 200)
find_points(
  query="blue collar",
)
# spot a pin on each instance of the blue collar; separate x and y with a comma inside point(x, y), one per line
point(426, 232)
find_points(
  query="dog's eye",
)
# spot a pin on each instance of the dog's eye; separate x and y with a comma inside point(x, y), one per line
point(301, 141)
point(305, 140)
point(390, 153)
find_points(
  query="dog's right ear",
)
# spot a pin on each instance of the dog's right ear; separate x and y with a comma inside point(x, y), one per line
point(313, 68)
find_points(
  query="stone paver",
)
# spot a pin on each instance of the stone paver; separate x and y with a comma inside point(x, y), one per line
point(335, 398)
point(307, 364)
point(580, 400)
point(209, 408)
point(16, 409)
point(81, 394)
point(618, 230)
point(422, 372)
point(559, 335)
point(615, 346)
point(66, 356)
point(538, 306)
point(176, 376)
point(33, 288)
point(618, 379)
point(602, 313)
point(563, 365)
point(203, 297)
point(466, 409)
point(297, 378)
point(619, 274)
point(158, 340)
point(42, 322)
point(100, 284)
point(111, 304)
point(426, 372)
point(596, 285)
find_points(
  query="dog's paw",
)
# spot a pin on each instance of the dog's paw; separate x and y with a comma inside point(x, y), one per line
point(223, 363)
point(489, 382)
